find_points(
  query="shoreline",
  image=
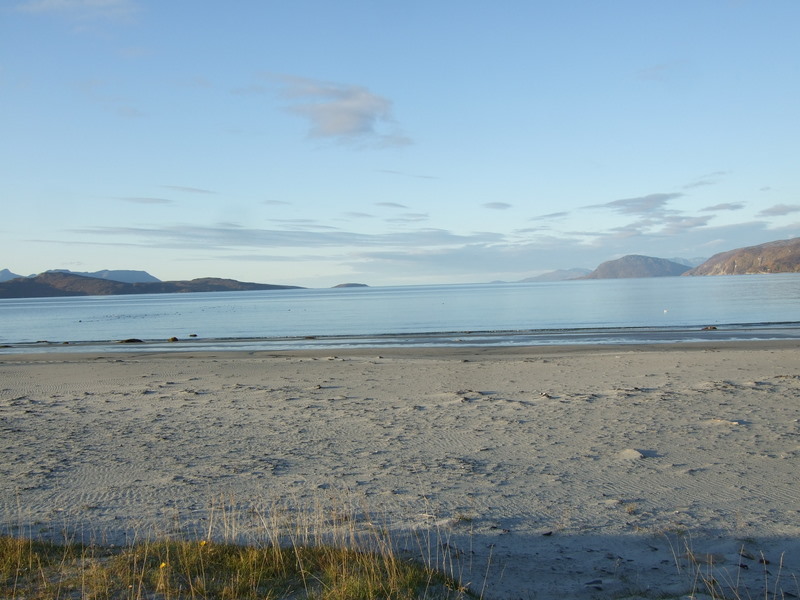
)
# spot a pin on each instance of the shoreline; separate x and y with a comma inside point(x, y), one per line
point(548, 338)
point(574, 470)
point(122, 352)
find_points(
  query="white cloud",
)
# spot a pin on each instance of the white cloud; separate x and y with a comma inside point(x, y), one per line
point(497, 205)
point(343, 112)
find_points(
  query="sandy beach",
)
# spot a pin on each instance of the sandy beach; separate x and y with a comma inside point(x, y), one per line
point(572, 472)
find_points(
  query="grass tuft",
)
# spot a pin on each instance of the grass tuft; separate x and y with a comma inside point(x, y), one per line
point(313, 561)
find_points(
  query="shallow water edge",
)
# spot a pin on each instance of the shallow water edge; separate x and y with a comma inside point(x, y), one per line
point(547, 337)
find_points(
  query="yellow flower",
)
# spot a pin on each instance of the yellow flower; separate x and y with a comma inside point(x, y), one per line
point(203, 542)
point(162, 565)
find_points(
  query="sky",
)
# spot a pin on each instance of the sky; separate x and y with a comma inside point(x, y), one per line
point(315, 143)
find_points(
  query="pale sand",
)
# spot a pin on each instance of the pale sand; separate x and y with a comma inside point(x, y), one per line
point(546, 472)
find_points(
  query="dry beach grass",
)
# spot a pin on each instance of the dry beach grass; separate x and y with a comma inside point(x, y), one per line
point(585, 472)
point(344, 558)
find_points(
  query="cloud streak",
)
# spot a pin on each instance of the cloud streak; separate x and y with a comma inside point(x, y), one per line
point(725, 206)
point(82, 10)
point(189, 190)
point(229, 235)
point(431, 254)
point(146, 200)
point(779, 210)
point(652, 204)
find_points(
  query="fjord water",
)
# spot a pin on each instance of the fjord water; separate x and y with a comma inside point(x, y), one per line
point(413, 314)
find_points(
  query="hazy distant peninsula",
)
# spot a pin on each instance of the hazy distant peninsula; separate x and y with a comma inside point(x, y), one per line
point(635, 265)
point(782, 256)
point(59, 283)
point(558, 275)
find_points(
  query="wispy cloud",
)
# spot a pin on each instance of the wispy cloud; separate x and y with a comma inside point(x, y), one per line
point(497, 205)
point(351, 114)
point(190, 190)
point(779, 210)
point(402, 174)
point(304, 225)
point(82, 10)
point(725, 206)
point(391, 204)
point(705, 180)
point(230, 235)
point(555, 215)
point(146, 200)
point(431, 253)
point(409, 218)
point(652, 218)
point(524, 231)
point(652, 204)
point(674, 225)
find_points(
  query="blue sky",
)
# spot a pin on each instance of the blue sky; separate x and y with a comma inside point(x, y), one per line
point(317, 142)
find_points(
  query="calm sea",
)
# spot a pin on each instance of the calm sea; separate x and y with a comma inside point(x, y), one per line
point(590, 311)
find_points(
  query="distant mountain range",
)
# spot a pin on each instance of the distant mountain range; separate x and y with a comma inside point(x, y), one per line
point(782, 256)
point(60, 283)
point(116, 275)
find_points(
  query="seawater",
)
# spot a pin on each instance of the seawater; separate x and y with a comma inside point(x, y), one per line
point(613, 311)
